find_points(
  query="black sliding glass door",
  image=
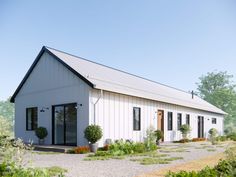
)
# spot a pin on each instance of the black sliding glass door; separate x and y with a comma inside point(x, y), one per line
point(200, 127)
point(65, 124)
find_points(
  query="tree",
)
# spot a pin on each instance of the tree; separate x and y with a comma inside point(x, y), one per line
point(218, 89)
point(7, 113)
point(5, 127)
point(7, 109)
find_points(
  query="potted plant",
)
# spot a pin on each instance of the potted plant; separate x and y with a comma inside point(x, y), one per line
point(41, 133)
point(93, 133)
point(213, 134)
point(159, 136)
point(185, 129)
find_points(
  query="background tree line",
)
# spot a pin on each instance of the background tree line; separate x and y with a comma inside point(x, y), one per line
point(217, 88)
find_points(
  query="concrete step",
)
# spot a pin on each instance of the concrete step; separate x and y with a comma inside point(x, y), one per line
point(52, 148)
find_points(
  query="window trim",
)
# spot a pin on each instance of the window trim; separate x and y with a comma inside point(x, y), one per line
point(170, 128)
point(139, 129)
point(32, 120)
point(178, 127)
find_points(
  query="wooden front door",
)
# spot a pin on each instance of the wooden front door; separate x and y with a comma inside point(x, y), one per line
point(160, 121)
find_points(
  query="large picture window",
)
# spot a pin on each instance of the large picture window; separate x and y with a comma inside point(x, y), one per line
point(179, 120)
point(170, 121)
point(31, 118)
point(136, 119)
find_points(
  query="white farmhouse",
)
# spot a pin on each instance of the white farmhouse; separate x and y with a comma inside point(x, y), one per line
point(66, 93)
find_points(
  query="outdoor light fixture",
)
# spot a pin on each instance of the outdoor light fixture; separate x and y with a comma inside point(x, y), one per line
point(43, 109)
point(76, 107)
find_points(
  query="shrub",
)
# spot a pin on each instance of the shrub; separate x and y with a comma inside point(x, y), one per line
point(185, 129)
point(139, 148)
point(102, 153)
point(150, 134)
point(120, 148)
point(82, 150)
point(93, 133)
point(12, 170)
point(41, 132)
point(198, 139)
point(150, 141)
point(232, 136)
point(221, 138)
point(213, 134)
point(71, 151)
point(184, 141)
point(159, 135)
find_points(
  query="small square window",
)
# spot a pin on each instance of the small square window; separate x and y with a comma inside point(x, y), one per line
point(213, 120)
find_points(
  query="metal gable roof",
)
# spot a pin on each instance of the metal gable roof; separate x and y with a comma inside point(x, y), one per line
point(106, 78)
point(110, 79)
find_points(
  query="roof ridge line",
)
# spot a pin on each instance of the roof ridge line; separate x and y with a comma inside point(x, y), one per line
point(119, 70)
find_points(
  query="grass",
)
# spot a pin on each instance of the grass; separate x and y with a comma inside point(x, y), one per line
point(169, 150)
point(45, 153)
point(195, 165)
point(211, 150)
point(92, 157)
point(152, 161)
point(55, 170)
point(151, 155)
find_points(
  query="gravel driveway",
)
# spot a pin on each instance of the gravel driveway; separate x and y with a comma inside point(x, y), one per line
point(77, 167)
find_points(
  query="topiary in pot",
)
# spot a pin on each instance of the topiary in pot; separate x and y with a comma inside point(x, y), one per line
point(185, 129)
point(213, 134)
point(41, 133)
point(159, 135)
point(93, 133)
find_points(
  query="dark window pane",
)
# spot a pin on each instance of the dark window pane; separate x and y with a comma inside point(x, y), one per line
point(187, 119)
point(31, 118)
point(179, 120)
point(170, 121)
point(136, 119)
point(213, 120)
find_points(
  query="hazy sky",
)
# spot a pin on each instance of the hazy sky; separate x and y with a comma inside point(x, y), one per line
point(172, 42)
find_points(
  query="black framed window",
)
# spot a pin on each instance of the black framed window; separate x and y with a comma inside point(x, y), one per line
point(179, 120)
point(170, 121)
point(187, 119)
point(136, 119)
point(31, 118)
point(213, 120)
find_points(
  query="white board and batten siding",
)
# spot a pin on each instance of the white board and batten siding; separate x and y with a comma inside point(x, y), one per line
point(114, 113)
point(50, 83)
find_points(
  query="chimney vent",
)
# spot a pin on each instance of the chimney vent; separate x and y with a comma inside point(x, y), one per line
point(192, 94)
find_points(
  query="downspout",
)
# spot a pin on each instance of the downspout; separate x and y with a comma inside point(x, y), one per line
point(100, 96)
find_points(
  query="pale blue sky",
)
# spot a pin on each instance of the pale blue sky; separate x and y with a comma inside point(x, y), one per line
point(172, 42)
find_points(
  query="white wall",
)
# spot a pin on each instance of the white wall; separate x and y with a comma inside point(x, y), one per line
point(114, 113)
point(49, 84)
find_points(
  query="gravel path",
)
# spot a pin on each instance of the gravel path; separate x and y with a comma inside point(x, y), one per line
point(77, 167)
